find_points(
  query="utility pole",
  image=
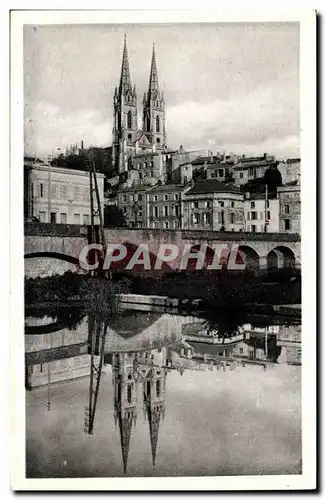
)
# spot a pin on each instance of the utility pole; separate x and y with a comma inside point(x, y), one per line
point(266, 206)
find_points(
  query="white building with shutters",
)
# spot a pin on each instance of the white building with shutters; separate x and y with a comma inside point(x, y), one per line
point(60, 195)
point(257, 212)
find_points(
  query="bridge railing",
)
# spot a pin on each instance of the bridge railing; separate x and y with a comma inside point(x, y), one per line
point(75, 230)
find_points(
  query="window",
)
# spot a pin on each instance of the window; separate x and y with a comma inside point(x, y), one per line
point(158, 388)
point(286, 209)
point(221, 172)
point(194, 204)
point(207, 204)
point(268, 215)
point(53, 217)
point(41, 216)
point(176, 224)
point(267, 203)
point(221, 204)
point(86, 219)
point(213, 174)
point(155, 211)
point(76, 218)
point(63, 218)
point(41, 190)
point(158, 140)
point(253, 215)
point(129, 393)
point(195, 218)
point(166, 225)
point(241, 175)
point(158, 124)
point(165, 210)
point(206, 218)
point(155, 225)
point(241, 350)
point(124, 198)
point(140, 175)
point(140, 197)
point(176, 196)
point(165, 197)
point(155, 197)
point(232, 217)
point(129, 120)
point(252, 204)
point(176, 210)
point(287, 224)
point(251, 171)
point(253, 229)
point(124, 210)
point(232, 204)
point(129, 137)
point(131, 197)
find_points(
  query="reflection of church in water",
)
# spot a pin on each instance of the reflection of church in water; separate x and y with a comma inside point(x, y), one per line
point(134, 376)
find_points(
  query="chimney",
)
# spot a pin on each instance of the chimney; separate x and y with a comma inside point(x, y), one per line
point(265, 156)
point(82, 145)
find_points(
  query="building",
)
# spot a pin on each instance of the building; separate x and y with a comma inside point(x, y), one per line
point(290, 170)
point(261, 216)
point(248, 169)
point(165, 206)
point(146, 166)
point(211, 205)
point(60, 195)
point(128, 140)
point(290, 207)
point(133, 203)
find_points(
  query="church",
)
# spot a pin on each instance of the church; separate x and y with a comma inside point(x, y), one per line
point(128, 140)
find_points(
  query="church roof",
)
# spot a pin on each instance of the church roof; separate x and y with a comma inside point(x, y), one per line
point(153, 77)
point(125, 81)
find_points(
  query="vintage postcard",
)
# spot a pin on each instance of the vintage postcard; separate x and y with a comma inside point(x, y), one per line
point(162, 243)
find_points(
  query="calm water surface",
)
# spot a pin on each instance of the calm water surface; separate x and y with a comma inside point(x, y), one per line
point(169, 404)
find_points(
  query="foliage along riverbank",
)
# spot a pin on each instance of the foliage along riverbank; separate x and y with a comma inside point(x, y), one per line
point(97, 292)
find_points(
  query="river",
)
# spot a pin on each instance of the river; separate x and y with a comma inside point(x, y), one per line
point(178, 395)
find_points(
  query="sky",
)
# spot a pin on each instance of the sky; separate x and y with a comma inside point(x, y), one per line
point(227, 87)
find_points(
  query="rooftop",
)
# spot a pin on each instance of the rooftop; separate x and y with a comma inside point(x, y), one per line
point(204, 186)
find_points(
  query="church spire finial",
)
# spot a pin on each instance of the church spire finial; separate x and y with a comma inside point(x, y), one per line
point(125, 81)
point(153, 78)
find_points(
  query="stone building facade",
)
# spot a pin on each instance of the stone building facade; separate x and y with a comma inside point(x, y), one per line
point(60, 195)
point(211, 205)
point(165, 206)
point(261, 215)
point(290, 207)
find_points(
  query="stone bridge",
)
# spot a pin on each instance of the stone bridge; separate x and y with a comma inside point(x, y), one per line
point(51, 248)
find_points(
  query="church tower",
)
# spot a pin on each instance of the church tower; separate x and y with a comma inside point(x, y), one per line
point(125, 120)
point(154, 110)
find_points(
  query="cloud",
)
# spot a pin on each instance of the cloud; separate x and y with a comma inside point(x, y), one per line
point(50, 127)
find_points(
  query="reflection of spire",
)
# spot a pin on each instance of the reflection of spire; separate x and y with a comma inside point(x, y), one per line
point(125, 425)
point(154, 416)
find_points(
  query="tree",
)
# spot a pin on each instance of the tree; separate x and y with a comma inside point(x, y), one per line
point(113, 216)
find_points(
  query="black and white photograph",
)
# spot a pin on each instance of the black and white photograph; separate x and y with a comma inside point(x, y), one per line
point(163, 166)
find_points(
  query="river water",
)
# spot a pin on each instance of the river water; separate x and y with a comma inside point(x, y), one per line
point(178, 395)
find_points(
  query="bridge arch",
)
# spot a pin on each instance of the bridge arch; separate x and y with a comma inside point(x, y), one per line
point(249, 257)
point(279, 257)
point(49, 263)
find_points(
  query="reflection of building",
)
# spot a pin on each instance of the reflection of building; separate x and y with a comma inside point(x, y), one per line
point(60, 195)
point(131, 371)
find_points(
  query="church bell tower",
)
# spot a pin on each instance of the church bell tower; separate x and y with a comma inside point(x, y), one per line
point(154, 109)
point(125, 121)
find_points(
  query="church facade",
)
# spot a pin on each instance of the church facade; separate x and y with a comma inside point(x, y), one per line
point(129, 140)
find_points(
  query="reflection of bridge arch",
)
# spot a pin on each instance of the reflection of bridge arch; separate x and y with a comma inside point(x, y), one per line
point(280, 257)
